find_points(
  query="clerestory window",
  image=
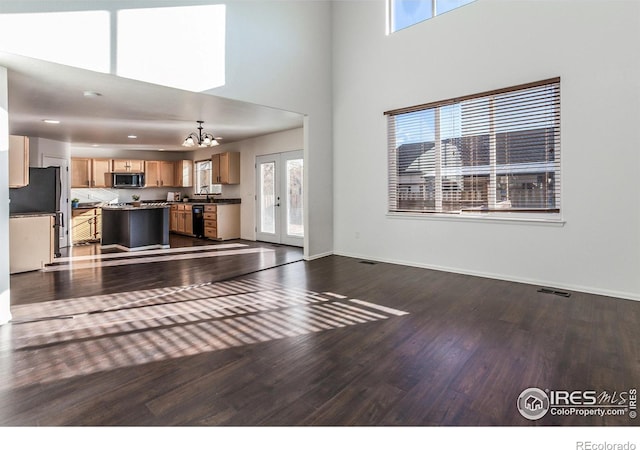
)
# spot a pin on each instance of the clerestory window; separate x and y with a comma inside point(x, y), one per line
point(404, 13)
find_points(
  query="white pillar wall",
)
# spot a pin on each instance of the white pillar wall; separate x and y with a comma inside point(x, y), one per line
point(5, 312)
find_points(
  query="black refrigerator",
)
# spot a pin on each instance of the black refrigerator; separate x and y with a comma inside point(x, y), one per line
point(41, 195)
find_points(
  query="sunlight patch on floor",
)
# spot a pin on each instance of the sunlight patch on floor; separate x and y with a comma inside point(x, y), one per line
point(74, 337)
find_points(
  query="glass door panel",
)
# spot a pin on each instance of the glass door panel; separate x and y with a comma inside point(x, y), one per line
point(267, 172)
point(295, 217)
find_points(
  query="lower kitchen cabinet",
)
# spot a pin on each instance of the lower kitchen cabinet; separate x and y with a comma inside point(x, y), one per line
point(181, 219)
point(222, 221)
point(173, 218)
point(31, 242)
point(86, 225)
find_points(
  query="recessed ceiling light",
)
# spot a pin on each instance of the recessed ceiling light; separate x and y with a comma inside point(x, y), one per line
point(52, 121)
point(91, 94)
point(132, 136)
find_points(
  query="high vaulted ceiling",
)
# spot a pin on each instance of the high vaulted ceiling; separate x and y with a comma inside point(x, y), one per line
point(159, 116)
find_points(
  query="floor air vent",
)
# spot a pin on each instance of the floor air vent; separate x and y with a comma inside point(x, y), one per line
point(371, 263)
point(554, 292)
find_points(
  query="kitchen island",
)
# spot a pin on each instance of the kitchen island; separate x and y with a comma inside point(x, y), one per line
point(132, 228)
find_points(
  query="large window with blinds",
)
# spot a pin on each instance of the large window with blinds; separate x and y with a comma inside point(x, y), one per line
point(494, 152)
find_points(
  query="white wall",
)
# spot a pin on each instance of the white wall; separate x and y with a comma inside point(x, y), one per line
point(284, 141)
point(40, 147)
point(5, 313)
point(279, 54)
point(489, 44)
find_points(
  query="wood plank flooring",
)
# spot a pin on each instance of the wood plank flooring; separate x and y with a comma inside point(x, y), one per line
point(327, 342)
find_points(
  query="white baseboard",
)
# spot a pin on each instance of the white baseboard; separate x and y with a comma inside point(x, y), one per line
point(494, 276)
point(317, 256)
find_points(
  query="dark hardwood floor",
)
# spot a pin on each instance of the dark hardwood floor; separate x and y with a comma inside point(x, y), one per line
point(334, 341)
point(33, 287)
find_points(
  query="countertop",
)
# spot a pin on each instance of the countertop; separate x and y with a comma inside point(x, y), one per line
point(30, 214)
point(193, 201)
point(134, 208)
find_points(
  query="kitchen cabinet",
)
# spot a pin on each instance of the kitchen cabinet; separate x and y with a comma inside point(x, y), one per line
point(86, 225)
point(173, 218)
point(133, 228)
point(31, 242)
point(159, 174)
point(226, 168)
point(127, 165)
point(88, 173)
point(181, 219)
point(18, 161)
point(183, 173)
point(222, 221)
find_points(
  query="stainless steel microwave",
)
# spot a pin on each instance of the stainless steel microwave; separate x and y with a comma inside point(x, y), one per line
point(128, 180)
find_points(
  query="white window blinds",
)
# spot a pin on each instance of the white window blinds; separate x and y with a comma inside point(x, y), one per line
point(498, 151)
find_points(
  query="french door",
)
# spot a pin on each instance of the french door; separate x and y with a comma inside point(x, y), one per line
point(280, 209)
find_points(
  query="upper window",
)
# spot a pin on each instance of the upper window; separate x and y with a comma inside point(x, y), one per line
point(498, 151)
point(404, 13)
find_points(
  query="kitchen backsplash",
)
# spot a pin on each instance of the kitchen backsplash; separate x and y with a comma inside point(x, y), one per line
point(96, 195)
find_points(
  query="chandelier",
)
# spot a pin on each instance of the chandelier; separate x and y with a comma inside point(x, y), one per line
point(200, 139)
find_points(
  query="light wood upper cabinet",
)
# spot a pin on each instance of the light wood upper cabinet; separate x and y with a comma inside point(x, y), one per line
point(101, 173)
point(159, 174)
point(128, 165)
point(18, 161)
point(183, 173)
point(151, 174)
point(226, 168)
point(80, 172)
point(167, 173)
point(88, 172)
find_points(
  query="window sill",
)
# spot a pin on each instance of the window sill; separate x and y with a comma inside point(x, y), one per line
point(555, 221)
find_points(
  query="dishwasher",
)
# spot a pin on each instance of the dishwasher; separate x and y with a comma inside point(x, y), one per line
point(198, 220)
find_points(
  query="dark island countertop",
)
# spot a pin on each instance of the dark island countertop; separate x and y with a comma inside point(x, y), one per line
point(134, 208)
point(203, 201)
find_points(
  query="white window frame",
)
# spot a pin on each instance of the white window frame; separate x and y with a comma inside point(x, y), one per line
point(396, 188)
point(198, 181)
